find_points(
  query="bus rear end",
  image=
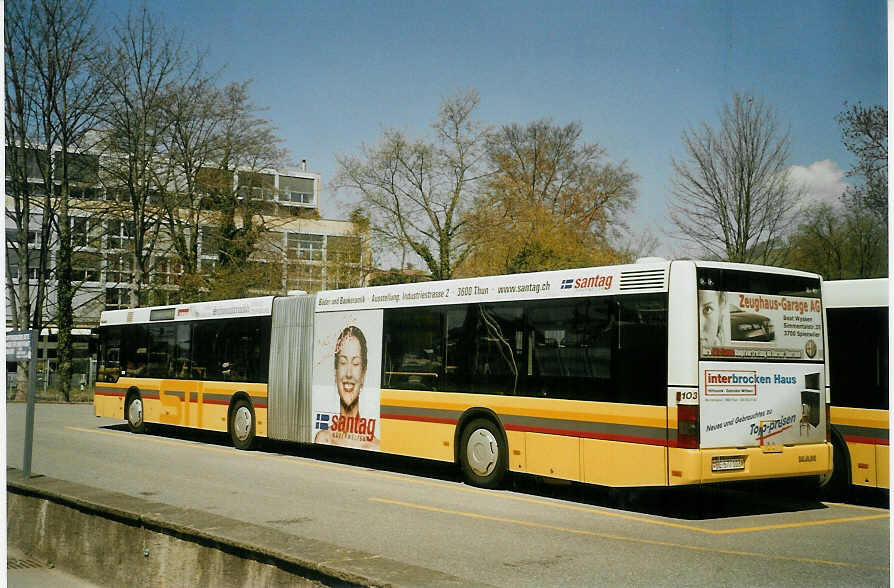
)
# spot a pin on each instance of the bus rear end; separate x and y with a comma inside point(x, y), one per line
point(746, 373)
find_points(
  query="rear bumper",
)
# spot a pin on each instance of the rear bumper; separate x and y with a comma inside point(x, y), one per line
point(693, 466)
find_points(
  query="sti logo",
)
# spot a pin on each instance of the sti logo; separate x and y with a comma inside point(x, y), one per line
point(597, 281)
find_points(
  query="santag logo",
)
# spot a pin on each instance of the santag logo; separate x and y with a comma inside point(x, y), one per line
point(597, 281)
point(567, 284)
point(322, 423)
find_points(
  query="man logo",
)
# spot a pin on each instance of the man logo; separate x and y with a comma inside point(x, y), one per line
point(810, 349)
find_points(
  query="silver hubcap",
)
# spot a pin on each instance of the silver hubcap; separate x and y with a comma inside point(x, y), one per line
point(135, 412)
point(482, 452)
point(242, 423)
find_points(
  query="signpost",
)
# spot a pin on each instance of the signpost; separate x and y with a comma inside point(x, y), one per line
point(22, 346)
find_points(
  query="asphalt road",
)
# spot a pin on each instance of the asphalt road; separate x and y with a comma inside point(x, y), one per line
point(529, 534)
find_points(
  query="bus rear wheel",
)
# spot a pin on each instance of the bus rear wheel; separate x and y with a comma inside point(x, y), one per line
point(483, 454)
point(242, 425)
point(133, 412)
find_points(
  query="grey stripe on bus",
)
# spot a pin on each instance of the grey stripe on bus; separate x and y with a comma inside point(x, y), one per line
point(657, 433)
point(870, 432)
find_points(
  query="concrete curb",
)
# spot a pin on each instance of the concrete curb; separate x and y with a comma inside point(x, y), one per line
point(71, 524)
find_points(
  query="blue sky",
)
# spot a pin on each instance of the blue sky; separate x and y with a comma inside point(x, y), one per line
point(634, 74)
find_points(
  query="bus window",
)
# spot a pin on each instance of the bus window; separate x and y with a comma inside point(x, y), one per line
point(133, 351)
point(110, 356)
point(858, 356)
point(570, 348)
point(497, 349)
point(641, 357)
point(162, 340)
point(413, 349)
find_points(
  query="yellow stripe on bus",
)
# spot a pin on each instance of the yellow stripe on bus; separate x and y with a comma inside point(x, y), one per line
point(860, 417)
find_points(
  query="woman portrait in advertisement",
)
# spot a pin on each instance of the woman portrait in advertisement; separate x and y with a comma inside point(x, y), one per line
point(713, 316)
point(351, 361)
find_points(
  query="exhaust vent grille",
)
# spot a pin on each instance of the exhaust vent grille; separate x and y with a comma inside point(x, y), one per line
point(643, 279)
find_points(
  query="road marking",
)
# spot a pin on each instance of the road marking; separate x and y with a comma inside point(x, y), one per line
point(796, 525)
point(628, 539)
point(496, 494)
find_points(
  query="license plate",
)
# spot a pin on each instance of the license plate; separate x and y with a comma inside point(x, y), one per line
point(727, 463)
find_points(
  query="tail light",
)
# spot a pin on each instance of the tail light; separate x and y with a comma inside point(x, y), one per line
point(687, 426)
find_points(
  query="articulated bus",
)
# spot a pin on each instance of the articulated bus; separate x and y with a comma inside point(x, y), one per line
point(857, 323)
point(659, 373)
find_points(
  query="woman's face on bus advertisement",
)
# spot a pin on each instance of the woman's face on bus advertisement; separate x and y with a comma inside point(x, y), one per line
point(349, 372)
point(709, 307)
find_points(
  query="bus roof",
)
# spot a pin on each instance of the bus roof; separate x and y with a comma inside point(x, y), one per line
point(651, 275)
point(855, 293)
point(215, 309)
point(594, 281)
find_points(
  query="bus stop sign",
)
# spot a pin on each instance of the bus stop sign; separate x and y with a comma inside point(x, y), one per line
point(18, 345)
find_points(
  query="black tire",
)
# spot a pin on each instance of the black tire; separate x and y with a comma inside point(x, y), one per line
point(483, 454)
point(242, 424)
point(837, 486)
point(133, 413)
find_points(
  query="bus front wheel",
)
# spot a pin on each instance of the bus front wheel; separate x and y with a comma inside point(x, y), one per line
point(483, 454)
point(242, 425)
point(133, 412)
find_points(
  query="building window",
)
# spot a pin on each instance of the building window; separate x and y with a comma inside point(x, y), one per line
point(303, 246)
point(296, 190)
point(343, 249)
point(167, 271)
point(117, 298)
point(119, 269)
point(210, 241)
point(305, 276)
point(120, 233)
point(34, 267)
point(86, 266)
point(297, 197)
point(12, 264)
point(86, 232)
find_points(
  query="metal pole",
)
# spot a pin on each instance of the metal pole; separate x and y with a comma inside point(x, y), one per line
point(46, 362)
point(29, 413)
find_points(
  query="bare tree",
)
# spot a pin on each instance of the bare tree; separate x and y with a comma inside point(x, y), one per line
point(21, 158)
point(734, 200)
point(865, 134)
point(144, 68)
point(190, 142)
point(50, 94)
point(245, 147)
point(66, 47)
point(417, 191)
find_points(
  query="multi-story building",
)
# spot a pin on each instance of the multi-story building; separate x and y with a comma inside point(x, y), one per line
point(299, 250)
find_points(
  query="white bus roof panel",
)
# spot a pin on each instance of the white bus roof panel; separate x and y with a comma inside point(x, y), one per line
point(572, 283)
point(855, 293)
point(216, 309)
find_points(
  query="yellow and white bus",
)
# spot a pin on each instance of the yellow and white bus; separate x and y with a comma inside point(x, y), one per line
point(857, 322)
point(657, 373)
